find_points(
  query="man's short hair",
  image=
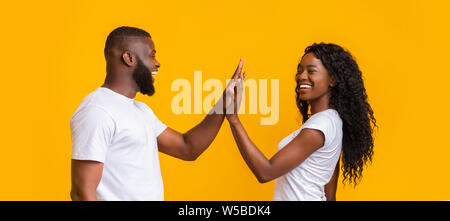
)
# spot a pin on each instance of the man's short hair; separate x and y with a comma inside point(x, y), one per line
point(123, 31)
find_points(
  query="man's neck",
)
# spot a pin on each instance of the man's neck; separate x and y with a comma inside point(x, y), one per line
point(125, 91)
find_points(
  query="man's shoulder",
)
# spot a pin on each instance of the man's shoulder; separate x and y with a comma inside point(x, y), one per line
point(101, 98)
point(143, 106)
point(94, 103)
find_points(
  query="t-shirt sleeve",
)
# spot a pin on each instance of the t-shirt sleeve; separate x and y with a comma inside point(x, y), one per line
point(92, 129)
point(323, 123)
point(159, 126)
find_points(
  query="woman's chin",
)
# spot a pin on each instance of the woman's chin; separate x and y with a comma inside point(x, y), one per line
point(304, 98)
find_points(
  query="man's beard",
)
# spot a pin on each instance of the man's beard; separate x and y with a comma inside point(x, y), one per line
point(143, 78)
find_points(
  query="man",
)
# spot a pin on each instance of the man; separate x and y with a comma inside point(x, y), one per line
point(115, 139)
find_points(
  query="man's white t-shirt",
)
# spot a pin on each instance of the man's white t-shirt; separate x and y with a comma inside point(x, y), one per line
point(306, 182)
point(121, 133)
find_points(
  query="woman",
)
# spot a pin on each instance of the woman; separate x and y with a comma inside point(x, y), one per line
point(336, 118)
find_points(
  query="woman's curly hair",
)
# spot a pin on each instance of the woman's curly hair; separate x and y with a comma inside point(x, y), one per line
point(349, 99)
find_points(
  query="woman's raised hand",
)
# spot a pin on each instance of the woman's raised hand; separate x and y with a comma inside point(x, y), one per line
point(233, 92)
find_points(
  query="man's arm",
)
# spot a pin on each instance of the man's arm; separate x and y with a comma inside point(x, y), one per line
point(330, 188)
point(190, 145)
point(86, 176)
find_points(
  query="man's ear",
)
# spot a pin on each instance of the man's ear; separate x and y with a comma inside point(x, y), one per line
point(129, 59)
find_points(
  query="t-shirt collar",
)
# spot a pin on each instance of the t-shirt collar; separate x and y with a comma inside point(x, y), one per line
point(121, 96)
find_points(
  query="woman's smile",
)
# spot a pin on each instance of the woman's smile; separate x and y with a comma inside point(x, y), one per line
point(302, 88)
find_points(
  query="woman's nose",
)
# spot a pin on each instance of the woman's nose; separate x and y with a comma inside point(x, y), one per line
point(301, 76)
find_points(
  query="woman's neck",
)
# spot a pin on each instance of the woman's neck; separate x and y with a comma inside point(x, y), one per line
point(320, 104)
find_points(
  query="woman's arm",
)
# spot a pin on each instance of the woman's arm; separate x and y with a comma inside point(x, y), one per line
point(294, 153)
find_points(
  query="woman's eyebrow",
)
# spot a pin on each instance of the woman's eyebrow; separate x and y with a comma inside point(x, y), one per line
point(311, 66)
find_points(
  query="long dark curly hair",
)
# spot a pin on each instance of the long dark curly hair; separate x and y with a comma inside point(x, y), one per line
point(349, 99)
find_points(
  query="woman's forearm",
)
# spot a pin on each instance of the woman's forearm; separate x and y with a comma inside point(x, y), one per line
point(255, 159)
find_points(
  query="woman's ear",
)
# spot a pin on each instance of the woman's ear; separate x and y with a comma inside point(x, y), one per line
point(332, 82)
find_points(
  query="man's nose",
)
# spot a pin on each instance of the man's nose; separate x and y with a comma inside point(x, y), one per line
point(157, 63)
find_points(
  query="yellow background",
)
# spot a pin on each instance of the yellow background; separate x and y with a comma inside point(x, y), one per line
point(52, 57)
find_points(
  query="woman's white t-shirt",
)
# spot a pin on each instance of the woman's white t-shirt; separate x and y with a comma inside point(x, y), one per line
point(307, 180)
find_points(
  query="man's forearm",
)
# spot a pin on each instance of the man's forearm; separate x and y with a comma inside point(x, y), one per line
point(201, 136)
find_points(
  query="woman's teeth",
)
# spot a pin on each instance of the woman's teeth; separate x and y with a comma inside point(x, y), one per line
point(305, 86)
point(154, 72)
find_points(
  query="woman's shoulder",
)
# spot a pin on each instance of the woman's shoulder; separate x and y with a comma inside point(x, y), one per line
point(326, 115)
point(327, 121)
